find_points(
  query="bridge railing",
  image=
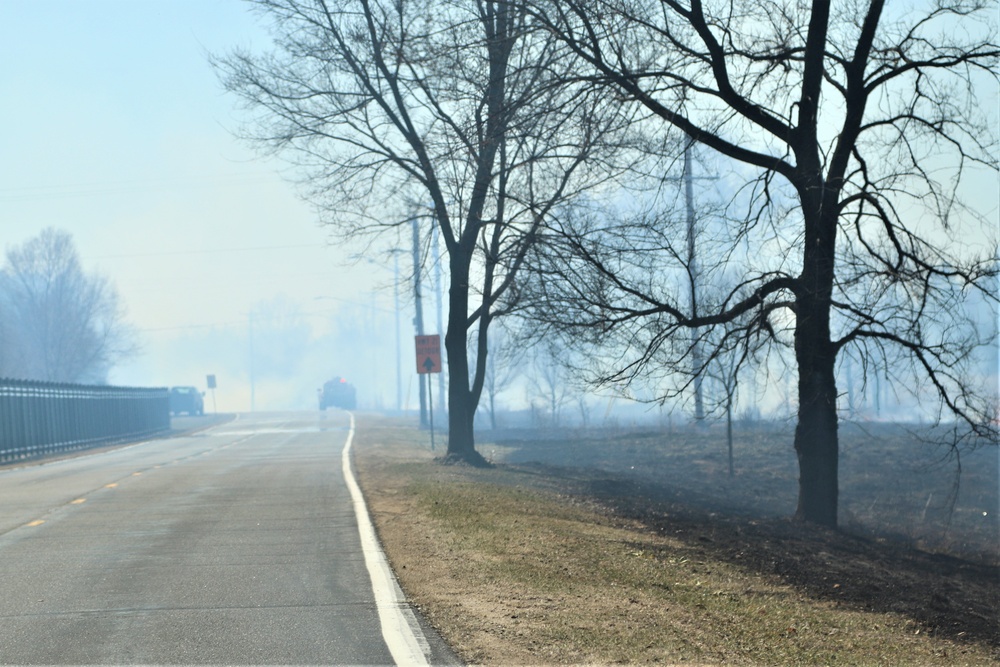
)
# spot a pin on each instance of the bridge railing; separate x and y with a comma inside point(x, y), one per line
point(41, 418)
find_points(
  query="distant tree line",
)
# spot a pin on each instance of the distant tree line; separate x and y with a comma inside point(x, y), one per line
point(539, 137)
point(58, 322)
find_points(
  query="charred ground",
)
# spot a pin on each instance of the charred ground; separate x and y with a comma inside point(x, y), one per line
point(919, 530)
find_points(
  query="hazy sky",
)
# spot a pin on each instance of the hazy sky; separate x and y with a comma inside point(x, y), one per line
point(116, 129)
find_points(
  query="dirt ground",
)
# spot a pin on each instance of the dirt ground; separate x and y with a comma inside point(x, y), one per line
point(862, 568)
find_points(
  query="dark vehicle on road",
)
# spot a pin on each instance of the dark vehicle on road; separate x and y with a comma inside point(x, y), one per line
point(186, 399)
point(338, 393)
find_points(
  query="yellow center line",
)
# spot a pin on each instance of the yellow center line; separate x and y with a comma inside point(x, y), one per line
point(36, 522)
point(111, 485)
point(78, 501)
point(136, 474)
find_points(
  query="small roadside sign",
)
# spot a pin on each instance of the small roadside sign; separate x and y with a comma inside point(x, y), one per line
point(210, 381)
point(428, 354)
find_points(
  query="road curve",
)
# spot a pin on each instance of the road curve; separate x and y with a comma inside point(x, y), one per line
point(235, 545)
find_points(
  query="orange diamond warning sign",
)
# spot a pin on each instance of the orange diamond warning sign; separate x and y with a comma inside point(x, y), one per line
point(428, 354)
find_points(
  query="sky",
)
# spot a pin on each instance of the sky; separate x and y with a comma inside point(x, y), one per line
point(117, 130)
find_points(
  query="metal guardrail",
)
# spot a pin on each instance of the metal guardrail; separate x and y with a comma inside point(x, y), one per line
point(40, 418)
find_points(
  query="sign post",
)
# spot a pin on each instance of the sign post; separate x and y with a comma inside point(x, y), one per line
point(429, 361)
point(210, 381)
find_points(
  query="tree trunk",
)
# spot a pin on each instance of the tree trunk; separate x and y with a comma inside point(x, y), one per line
point(816, 442)
point(461, 403)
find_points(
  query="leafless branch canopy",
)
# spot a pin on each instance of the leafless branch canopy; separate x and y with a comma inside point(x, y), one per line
point(57, 322)
point(861, 142)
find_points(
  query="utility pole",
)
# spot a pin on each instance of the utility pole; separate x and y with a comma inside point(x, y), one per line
point(418, 319)
point(253, 404)
point(699, 401)
point(395, 303)
point(442, 396)
point(692, 262)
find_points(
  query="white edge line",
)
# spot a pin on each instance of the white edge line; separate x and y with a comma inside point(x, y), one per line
point(400, 629)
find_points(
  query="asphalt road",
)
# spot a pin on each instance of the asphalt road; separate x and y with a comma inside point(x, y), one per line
point(238, 545)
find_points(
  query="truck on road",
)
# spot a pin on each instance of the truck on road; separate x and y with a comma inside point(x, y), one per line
point(338, 393)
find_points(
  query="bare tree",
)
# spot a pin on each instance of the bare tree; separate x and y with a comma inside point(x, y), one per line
point(502, 366)
point(859, 127)
point(460, 107)
point(725, 370)
point(548, 380)
point(60, 324)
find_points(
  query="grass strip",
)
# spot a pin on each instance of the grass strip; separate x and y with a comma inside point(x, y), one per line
point(513, 570)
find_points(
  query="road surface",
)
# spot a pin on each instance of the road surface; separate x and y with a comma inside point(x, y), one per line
point(236, 545)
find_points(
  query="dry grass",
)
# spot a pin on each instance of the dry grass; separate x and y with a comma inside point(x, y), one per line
point(515, 566)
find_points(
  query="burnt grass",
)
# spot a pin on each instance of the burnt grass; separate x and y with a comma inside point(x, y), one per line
point(919, 534)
